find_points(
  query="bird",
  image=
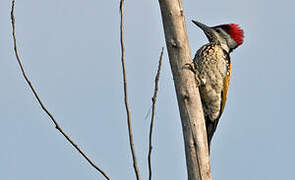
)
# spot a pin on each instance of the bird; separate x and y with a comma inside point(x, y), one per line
point(212, 65)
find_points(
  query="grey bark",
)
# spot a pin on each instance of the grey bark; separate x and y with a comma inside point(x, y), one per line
point(189, 102)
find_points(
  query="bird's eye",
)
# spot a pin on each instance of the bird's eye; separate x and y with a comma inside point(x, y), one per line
point(218, 30)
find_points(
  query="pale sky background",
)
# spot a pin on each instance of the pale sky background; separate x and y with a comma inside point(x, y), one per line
point(71, 52)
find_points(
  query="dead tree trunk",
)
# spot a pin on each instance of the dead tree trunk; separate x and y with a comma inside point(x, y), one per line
point(189, 102)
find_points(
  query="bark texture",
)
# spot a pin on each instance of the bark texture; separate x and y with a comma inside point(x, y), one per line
point(189, 102)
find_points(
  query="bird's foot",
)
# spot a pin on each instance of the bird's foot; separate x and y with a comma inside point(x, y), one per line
point(192, 66)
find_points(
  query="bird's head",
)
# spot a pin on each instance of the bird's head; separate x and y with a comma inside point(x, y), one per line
point(230, 36)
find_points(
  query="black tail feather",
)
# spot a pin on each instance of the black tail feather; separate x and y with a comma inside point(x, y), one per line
point(211, 127)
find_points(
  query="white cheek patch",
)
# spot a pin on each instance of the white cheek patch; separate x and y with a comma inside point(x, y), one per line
point(228, 43)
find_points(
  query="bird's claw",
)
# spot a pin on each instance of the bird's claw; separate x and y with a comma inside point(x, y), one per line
point(191, 66)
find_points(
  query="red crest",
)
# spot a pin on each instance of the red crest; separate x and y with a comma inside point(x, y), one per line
point(234, 31)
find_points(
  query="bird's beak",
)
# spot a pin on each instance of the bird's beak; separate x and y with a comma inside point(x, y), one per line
point(206, 29)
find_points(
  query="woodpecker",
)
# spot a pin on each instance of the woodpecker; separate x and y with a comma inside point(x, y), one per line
point(212, 65)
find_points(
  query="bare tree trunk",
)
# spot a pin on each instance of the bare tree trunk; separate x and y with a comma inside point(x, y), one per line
point(189, 102)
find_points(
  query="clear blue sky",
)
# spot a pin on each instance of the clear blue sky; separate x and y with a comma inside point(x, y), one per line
point(71, 52)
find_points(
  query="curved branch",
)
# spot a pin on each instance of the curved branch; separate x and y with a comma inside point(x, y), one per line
point(131, 143)
point(40, 102)
point(154, 98)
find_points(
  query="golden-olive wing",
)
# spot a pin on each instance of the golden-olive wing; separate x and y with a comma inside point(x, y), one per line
point(225, 86)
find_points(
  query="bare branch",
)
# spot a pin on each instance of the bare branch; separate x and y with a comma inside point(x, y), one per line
point(189, 102)
point(154, 98)
point(40, 102)
point(135, 166)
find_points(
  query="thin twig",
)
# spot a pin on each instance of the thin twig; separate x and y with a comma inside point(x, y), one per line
point(40, 102)
point(135, 166)
point(154, 98)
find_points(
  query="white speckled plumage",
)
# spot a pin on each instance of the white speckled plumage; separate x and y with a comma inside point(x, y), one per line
point(211, 62)
point(213, 65)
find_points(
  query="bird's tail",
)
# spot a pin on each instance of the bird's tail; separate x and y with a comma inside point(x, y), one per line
point(211, 127)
